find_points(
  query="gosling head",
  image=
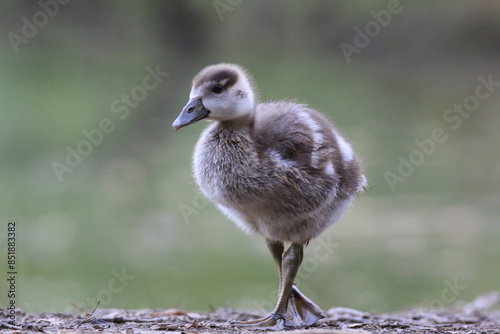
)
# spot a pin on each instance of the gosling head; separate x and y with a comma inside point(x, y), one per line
point(221, 92)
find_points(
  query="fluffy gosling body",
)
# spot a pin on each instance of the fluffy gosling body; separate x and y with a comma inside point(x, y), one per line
point(280, 170)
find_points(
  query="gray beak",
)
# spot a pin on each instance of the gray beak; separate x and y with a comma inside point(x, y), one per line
point(191, 113)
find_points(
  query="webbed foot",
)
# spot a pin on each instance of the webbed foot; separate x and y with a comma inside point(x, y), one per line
point(273, 321)
point(301, 311)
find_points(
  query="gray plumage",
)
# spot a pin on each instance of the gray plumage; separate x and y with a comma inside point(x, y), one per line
point(279, 170)
point(262, 174)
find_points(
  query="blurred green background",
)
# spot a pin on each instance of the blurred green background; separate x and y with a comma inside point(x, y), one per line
point(126, 225)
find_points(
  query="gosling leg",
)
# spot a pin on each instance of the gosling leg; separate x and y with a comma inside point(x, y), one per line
point(288, 265)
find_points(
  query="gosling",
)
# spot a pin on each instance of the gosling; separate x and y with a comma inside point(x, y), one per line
point(280, 170)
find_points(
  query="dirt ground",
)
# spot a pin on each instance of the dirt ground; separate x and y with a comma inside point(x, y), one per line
point(479, 316)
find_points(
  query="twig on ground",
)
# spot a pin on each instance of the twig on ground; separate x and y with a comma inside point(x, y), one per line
point(89, 316)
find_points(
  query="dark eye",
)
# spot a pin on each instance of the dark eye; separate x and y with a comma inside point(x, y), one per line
point(217, 89)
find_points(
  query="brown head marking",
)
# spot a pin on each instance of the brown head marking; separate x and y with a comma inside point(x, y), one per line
point(217, 76)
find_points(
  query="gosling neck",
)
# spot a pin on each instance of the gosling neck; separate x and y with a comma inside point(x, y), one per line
point(242, 122)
